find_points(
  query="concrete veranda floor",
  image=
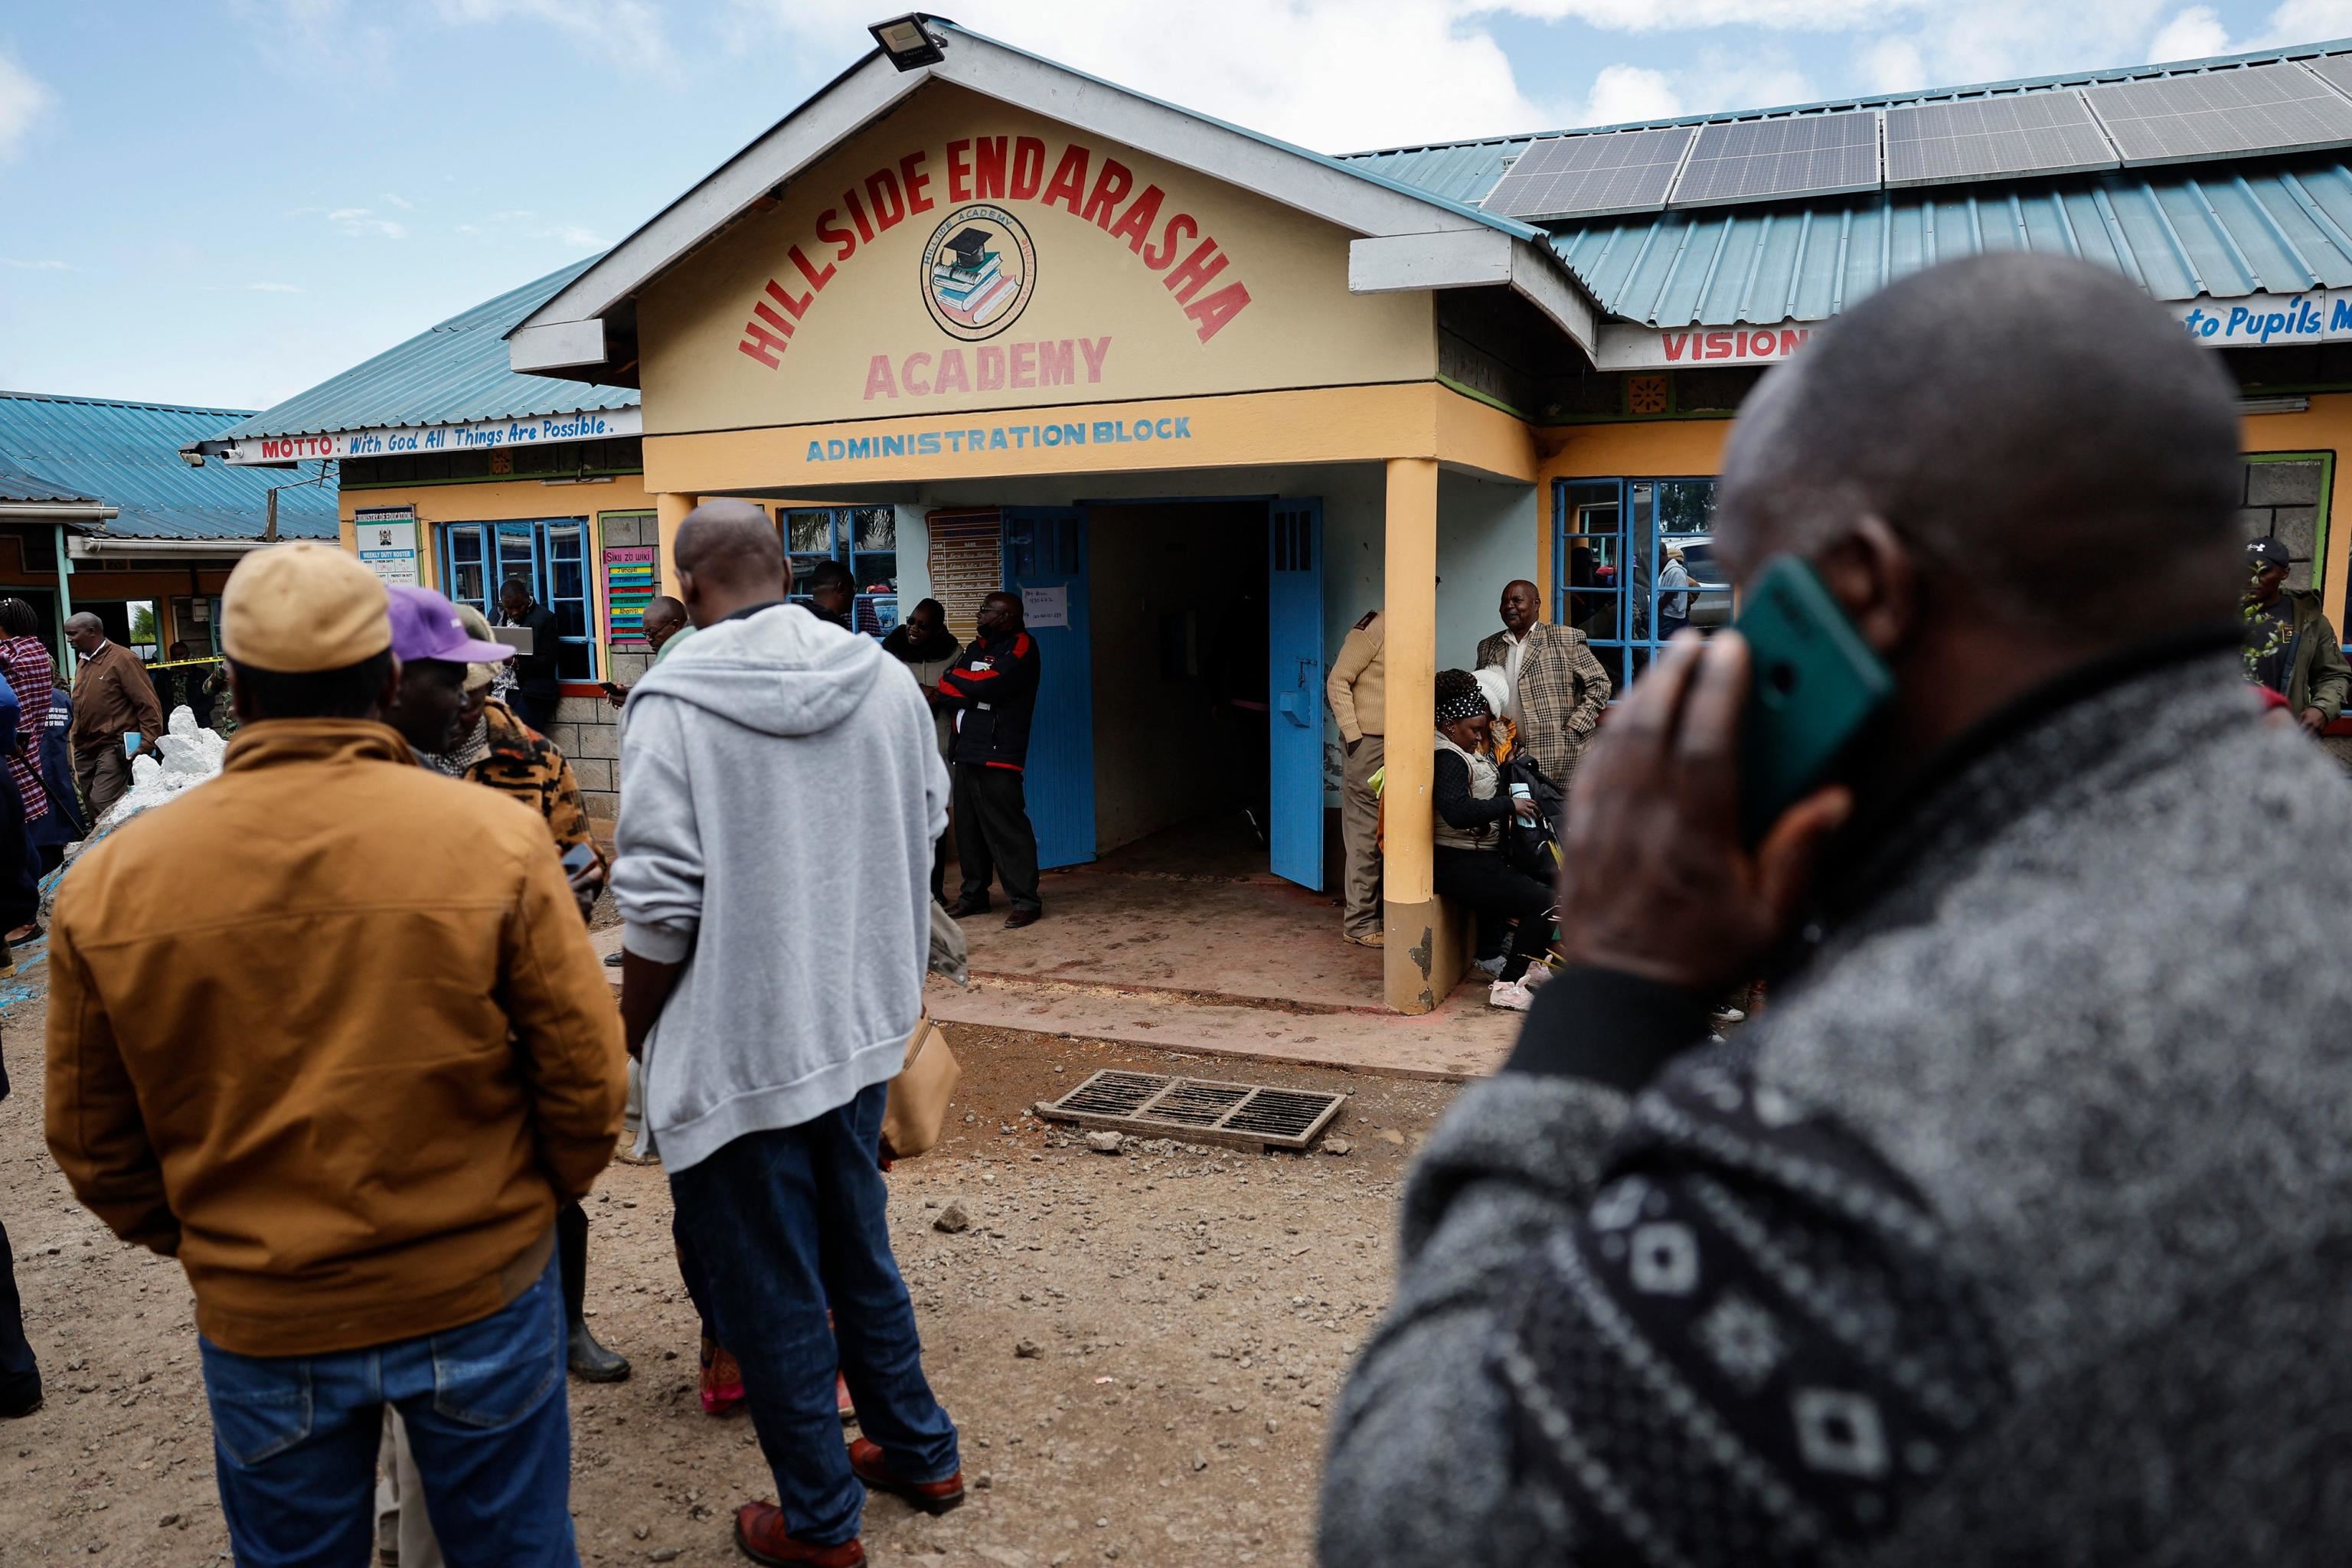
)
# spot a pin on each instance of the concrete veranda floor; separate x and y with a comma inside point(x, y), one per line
point(1185, 941)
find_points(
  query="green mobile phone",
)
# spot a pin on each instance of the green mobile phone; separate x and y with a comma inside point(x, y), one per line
point(1813, 684)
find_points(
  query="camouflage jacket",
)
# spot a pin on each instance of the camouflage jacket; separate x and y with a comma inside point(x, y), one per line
point(524, 764)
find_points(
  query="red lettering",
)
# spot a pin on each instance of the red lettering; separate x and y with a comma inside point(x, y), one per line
point(1210, 315)
point(766, 312)
point(1160, 255)
point(988, 169)
point(816, 280)
point(1135, 227)
point(1024, 366)
point(912, 179)
point(991, 369)
point(1205, 262)
point(952, 377)
point(1028, 168)
point(1673, 343)
point(879, 378)
point(882, 196)
point(799, 306)
point(831, 233)
point(1718, 346)
point(1068, 184)
point(1110, 189)
point(959, 171)
point(907, 374)
point(857, 217)
point(1793, 338)
point(762, 346)
point(1053, 364)
point(1096, 350)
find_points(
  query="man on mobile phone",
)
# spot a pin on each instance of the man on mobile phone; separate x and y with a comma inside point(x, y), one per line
point(2018, 1228)
point(666, 627)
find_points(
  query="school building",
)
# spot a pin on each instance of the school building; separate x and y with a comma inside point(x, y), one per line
point(970, 318)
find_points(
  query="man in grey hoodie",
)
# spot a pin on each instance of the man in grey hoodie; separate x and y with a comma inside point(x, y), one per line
point(2018, 1229)
point(770, 984)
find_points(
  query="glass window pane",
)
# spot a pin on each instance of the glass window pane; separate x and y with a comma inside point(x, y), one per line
point(873, 527)
point(808, 532)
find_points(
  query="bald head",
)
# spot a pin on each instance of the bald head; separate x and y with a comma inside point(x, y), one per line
point(2049, 449)
point(664, 618)
point(85, 631)
point(730, 558)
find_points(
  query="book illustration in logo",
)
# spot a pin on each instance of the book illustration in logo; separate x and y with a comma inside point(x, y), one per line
point(978, 272)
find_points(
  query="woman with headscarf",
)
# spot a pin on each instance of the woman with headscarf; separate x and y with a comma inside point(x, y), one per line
point(25, 662)
point(1466, 863)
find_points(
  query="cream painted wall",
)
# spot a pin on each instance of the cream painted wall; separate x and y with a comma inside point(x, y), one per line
point(1486, 536)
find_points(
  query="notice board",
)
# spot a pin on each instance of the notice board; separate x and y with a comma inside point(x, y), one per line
point(628, 588)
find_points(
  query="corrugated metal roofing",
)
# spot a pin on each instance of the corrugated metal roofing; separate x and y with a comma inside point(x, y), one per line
point(454, 373)
point(127, 455)
point(2203, 229)
point(17, 487)
point(1464, 172)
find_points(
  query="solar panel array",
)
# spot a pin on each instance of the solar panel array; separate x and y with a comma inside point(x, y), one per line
point(1590, 177)
point(1802, 155)
point(2030, 133)
point(2213, 114)
point(2277, 107)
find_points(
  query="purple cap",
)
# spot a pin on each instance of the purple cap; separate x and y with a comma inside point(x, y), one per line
point(425, 625)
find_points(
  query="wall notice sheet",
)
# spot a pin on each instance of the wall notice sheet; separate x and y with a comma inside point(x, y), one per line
point(628, 589)
point(1045, 607)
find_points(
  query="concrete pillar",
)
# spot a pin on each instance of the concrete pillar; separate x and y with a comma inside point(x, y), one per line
point(1414, 959)
point(670, 510)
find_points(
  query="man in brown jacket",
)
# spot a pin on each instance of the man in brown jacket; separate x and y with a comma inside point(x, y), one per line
point(347, 1091)
point(112, 698)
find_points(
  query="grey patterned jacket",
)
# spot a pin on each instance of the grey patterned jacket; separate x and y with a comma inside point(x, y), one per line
point(2016, 1230)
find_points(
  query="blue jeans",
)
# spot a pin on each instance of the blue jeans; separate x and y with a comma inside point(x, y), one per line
point(294, 1442)
point(777, 1227)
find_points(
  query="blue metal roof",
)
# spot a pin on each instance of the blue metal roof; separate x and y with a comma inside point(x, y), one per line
point(127, 455)
point(454, 373)
point(2202, 229)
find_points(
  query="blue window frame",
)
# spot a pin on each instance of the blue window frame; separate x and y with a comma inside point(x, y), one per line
point(551, 554)
point(1608, 537)
point(863, 538)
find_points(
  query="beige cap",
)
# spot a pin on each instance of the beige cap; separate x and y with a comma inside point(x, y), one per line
point(298, 608)
point(479, 676)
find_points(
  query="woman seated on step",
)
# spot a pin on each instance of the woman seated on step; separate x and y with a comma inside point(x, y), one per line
point(1467, 865)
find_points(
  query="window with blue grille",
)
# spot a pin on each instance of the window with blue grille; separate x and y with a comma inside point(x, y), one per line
point(1612, 543)
point(549, 554)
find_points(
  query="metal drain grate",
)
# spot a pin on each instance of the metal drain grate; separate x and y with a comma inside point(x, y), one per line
point(1198, 1110)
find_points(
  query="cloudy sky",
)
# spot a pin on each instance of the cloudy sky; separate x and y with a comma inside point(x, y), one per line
point(224, 201)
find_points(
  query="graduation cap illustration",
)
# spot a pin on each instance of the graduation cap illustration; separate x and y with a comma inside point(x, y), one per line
point(969, 248)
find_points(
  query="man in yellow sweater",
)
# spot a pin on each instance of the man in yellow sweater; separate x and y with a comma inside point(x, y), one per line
point(1360, 702)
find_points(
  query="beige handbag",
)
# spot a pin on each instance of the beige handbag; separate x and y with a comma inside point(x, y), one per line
point(917, 1105)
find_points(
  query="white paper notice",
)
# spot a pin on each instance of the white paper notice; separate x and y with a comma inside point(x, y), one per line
point(1042, 607)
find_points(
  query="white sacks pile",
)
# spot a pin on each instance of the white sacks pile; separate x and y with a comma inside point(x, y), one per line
point(192, 754)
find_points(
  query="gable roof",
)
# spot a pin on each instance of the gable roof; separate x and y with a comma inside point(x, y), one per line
point(453, 373)
point(585, 326)
point(127, 455)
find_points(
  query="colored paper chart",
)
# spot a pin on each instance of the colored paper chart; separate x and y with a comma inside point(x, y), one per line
point(628, 589)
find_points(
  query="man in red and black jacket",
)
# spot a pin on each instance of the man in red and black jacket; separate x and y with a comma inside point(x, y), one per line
point(992, 688)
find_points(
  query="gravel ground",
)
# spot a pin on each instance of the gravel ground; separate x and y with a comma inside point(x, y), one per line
point(1140, 1349)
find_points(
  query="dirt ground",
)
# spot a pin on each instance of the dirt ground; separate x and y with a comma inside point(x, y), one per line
point(1192, 1316)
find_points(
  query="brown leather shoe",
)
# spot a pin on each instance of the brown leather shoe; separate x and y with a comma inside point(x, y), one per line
point(931, 1497)
point(1019, 918)
point(759, 1535)
point(964, 909)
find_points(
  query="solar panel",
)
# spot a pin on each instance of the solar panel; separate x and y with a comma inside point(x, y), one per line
point(1587, 176)
point(1802, 155)
point(2214, 114)
point(2334, 69)
point(2033, 133)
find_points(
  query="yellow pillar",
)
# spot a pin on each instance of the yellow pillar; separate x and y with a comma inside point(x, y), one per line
point(1421, 958)
point(669, 511)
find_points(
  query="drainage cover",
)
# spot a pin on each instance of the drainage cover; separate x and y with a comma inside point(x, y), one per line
point(1197, 1110)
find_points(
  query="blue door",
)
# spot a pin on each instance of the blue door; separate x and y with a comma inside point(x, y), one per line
point(1294, 677)
point(1045, 562)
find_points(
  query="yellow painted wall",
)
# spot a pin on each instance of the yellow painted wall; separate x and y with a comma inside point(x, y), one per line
point(1107, 286)
point(498, 500)
point(2327, 428)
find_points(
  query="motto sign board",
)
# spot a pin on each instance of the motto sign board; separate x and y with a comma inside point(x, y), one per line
point(483, 435)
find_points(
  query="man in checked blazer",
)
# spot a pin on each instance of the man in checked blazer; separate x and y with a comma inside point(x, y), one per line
point(1558, 688)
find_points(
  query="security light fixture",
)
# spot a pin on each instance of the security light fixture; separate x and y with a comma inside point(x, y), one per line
point(908, 42)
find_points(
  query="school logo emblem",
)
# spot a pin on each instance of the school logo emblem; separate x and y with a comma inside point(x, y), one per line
point(978, 270)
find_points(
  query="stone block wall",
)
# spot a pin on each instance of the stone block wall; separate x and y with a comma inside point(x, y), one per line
point(588, 728)
point(2283, 499)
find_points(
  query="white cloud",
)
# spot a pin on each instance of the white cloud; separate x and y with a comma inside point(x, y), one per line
point(527, 223)
point(361, 222)
point(1622, 93)
point(404, 204)
point(1893, 65)
point(23, 100)
point(45, 264)
point(630, 31)
point(273, 288)
point(2192, 35)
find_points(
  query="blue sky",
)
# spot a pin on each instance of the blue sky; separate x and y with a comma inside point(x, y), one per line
point(226, 201)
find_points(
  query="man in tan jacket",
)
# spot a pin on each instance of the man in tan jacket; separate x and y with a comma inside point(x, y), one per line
point(328, 1029)
point(1358, 690)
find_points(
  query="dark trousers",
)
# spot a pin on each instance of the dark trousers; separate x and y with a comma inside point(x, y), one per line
point(102, 775)
point(539, 712)
point(572, 1259)
point(20, 1379)
point(1478, 879)
point(779, 1226)
point(993, 834)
